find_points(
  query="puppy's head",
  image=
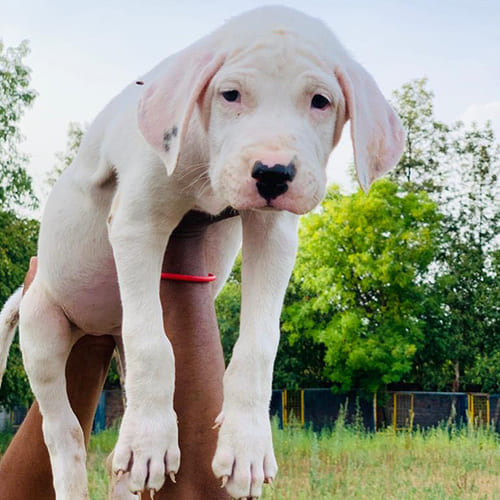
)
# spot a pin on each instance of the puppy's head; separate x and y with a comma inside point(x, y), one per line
point(274, 89)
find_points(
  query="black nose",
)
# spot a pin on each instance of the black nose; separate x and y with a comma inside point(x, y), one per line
point(272, 181)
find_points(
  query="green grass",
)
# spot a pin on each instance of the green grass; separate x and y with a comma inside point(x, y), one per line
point(348, 463)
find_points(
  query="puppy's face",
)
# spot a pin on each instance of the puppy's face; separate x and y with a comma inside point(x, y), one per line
point(271, 114)
point(273, 99)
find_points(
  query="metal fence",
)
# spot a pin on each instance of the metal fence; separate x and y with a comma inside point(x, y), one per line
point(319, 408)
point(402, 410)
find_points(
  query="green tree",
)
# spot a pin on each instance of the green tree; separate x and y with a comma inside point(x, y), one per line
point(424, 164)
point(476, 206)
point(361, 269)
point(470, 326)
point(18, 239)
point(458, 167)
point(469, 279)
point(18, 235)
point(16, 188)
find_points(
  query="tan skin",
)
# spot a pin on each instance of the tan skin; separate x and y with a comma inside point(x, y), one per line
point(191, 326)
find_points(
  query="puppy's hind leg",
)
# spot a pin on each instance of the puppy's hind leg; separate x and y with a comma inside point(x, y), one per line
point(46, 340)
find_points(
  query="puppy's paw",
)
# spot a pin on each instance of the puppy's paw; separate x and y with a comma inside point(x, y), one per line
point(147, 449)
point(244, 459)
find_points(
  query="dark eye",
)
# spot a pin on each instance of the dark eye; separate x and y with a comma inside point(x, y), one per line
point(231, 95)
point(319, 102)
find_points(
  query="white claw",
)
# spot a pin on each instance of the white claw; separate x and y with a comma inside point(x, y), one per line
point(139, 495)
point(225, 479)
point(172, 476)
point(119, 474)
point(269, 481)
point(152, 493)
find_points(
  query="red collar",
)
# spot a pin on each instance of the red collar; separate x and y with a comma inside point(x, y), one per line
point(188, 277)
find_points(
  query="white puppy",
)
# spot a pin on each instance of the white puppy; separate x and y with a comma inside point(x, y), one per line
point(246, 118)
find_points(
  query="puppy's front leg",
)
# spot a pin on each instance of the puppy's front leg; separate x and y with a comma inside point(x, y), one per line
point(147, 446)
point(244, 456)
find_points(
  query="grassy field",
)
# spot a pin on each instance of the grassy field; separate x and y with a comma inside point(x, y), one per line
point(346, 463)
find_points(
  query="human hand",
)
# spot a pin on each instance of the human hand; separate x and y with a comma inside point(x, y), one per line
point(30, 275)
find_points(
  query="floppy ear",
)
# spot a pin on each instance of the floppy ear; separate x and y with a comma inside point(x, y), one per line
point(166, 106)
point(376, 132)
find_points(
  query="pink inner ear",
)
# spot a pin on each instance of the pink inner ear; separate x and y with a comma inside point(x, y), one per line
point(376, 132)
point(167, 104)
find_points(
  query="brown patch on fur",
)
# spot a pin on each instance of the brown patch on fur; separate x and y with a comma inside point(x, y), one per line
point(76, 434)
point(280, 31)
point(13, 320)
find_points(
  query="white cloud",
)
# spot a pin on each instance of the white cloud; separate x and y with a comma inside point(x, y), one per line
point(481, 113)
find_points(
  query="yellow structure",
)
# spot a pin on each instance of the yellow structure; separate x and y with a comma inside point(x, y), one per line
point(402, 411)
point(293, 407)
point(478, 411)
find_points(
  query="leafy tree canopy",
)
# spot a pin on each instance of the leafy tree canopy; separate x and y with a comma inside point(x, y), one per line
point(18, 239)
point(16, 188)
point(18, 236)
point(361, 272)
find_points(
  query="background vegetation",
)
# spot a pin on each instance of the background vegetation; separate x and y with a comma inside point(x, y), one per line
point(400, 285)
point(18, 234)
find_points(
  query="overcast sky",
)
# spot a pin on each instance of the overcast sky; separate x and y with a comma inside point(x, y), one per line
point(83, 53)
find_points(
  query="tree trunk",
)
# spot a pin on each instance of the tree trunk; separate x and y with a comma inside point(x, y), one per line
point(456, 382)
